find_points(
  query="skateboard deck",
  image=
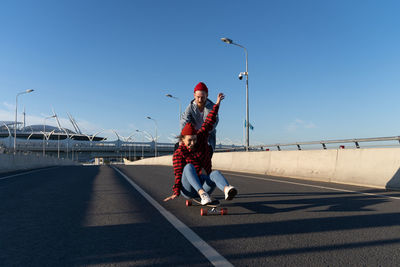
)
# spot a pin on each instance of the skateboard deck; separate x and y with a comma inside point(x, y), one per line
point(213, 207)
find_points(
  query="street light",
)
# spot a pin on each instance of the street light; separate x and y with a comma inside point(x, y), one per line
point(128, 140)
point(134, 147)
point(142, 142)
point(15, 125)
point(229, 41)
point(68, 137)
point(155, 138)
point(44, 132)
point(180, 108)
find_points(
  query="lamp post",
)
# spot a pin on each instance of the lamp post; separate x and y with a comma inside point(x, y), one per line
point(155, 137)
point(68, 137)
point(229, 41)
point(128, 141)
point(142, 142)
point(16, 112)
point(134, 146)
point(58, 146)
point(180, 107)
point(44, 133)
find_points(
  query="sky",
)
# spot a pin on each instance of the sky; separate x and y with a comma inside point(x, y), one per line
point(318, 70)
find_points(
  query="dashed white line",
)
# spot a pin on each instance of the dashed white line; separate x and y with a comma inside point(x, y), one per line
point(209, 252)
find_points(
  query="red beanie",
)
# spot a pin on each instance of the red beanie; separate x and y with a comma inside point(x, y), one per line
point(201, 87)
point(188, 129)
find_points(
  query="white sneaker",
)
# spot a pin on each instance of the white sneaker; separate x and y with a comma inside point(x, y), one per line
point(205, 199)
point(230, 192)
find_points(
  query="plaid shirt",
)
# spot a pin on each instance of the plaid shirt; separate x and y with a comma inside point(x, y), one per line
point(199, 156)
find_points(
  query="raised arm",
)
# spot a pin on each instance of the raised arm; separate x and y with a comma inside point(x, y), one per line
point(211, 119)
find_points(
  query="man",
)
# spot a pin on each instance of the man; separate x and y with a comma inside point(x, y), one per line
point(197, 111)
point(192, 163)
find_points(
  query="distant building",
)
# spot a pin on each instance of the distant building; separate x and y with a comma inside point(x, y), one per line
point(34, 132)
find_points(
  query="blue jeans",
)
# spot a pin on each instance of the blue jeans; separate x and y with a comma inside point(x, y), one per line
point(192, 183)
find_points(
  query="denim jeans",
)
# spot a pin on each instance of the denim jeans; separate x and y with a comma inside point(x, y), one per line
point(192, 183)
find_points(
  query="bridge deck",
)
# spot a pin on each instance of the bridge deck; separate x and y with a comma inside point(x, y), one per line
point(91, 215)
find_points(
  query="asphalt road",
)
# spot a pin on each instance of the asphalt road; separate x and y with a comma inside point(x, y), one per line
point(92, 216)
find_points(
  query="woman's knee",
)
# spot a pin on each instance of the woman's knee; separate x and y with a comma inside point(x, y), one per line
point(216, 175)
point(189, 167)
point(216, 172)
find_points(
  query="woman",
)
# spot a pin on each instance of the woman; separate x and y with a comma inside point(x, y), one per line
point(192, 163)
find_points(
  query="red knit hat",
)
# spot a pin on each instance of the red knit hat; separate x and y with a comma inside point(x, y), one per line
point(201, 87)
point(188, 129)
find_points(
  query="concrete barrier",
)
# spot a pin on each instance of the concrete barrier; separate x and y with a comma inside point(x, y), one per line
point(373, 167)
point(377, 167)
point(18, 162)
point(163, 160)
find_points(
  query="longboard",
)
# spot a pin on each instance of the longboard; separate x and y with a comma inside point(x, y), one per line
point(213, 207)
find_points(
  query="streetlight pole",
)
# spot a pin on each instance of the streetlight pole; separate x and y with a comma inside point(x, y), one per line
point(127, 141)
point(229, 41)
point(44, 133)
point(142, 142)
point(155, 137)
point(58, 146)
point(134, 146)
point(66, 133)
point(16, 112)
point(180, 108)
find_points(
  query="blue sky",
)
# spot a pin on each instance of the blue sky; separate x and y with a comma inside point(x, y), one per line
point(317, 69)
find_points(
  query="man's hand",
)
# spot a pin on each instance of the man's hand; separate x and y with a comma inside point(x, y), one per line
point(170, 198)
point(221, 96)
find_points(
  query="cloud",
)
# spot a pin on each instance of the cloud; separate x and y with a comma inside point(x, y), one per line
point(7, 115)
point(300, 124)
point(9, 107)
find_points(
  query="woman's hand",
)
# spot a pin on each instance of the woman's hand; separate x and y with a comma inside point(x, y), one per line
point(221, 96)
point(170, 198)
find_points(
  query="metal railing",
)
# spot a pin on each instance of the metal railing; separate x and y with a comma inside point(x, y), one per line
point(118, 145)
point(324, 143)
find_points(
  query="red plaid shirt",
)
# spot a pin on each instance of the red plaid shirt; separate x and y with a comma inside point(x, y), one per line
point(199, 156)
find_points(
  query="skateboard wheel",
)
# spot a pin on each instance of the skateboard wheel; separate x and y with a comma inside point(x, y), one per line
point(203, 212)
point(224, 211)
point(188, 202)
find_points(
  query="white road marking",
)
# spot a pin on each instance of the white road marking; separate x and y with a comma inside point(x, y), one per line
point(23, 173)
point(315, 186)
point(209, 252)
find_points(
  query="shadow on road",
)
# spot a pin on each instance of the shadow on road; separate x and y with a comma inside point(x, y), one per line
point(326, 202)
point(79, 216)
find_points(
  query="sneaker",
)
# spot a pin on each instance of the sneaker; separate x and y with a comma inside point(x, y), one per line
point(230, 192)
point(205, 199)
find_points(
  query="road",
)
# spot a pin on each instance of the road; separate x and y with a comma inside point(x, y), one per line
point(93, 216)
